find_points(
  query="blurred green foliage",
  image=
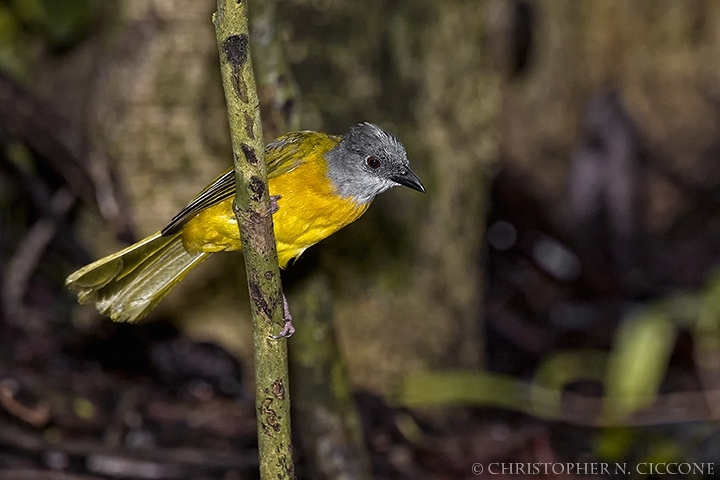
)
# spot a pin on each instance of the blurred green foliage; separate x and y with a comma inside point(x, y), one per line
point(28, 27)
point(632, 375)
point(707, 327)
point(638, 362)
point(560, 370)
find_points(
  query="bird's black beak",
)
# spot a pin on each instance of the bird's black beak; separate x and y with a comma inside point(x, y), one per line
point(409, 179)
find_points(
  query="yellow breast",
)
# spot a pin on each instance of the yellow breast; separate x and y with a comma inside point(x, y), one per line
point(309, 210)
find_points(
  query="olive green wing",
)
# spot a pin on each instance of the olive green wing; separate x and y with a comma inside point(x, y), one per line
point(222, 188)
point(287, 152)
point(281, 155)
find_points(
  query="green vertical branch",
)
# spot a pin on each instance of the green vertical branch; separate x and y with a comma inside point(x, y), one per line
point(252, 208)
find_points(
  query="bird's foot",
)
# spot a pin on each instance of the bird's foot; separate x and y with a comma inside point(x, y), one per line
point(288, 328)
point(273, 205)
point(287, 331)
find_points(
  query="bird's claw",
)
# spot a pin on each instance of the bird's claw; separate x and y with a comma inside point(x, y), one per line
point(288, 328)
point(286, 332)
point(273, 205)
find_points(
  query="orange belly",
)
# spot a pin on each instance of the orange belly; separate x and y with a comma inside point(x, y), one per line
point(308, 211)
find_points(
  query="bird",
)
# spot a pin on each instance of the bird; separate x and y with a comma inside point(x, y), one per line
point(319, 183)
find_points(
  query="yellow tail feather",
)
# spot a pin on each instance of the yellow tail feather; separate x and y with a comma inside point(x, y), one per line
point(128, 284)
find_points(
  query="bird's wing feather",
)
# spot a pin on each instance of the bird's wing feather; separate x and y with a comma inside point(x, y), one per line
point(223, 187)
point(289, 151)
point(282, 155)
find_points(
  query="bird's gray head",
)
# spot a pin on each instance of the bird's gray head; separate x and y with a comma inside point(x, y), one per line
point(369, 161)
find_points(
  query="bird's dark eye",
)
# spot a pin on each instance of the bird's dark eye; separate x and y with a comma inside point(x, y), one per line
point(373, 162)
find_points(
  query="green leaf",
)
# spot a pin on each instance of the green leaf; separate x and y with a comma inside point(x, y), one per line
point(638, 363)
point(559, 370)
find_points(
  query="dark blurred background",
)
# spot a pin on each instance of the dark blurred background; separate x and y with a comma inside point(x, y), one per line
point(553, 297)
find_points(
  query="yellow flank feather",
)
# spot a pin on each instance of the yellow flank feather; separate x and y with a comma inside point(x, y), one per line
point(309, 210)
